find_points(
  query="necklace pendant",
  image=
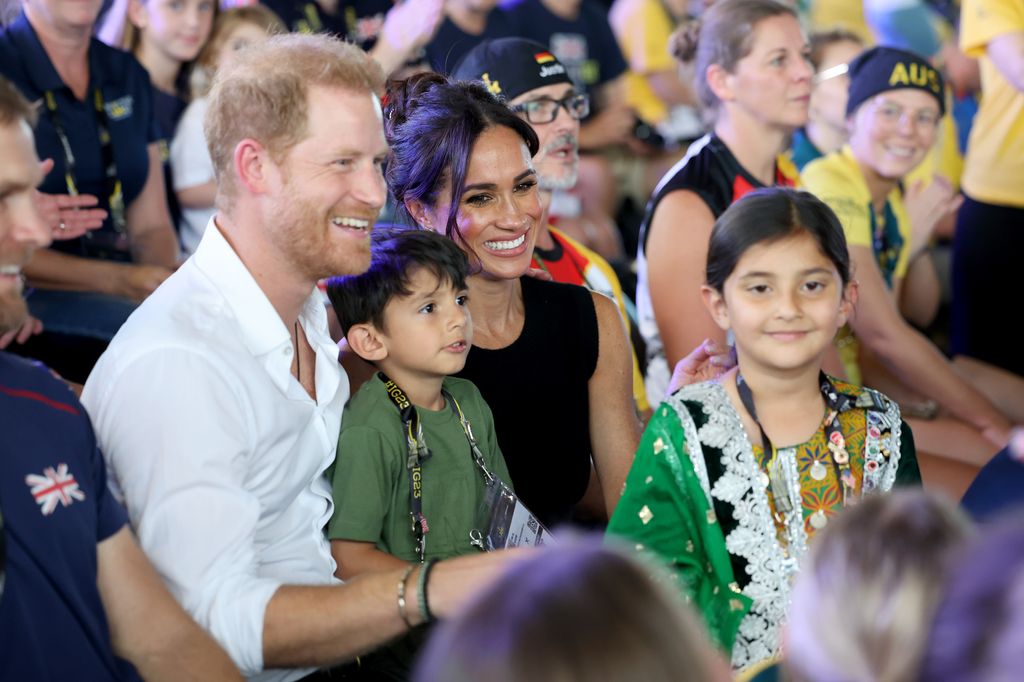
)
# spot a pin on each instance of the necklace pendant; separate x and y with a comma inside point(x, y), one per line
point(819, 520)
point(818, 470)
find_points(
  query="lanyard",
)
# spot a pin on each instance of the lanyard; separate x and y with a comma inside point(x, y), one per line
point(114, 191)
point(418, 453)
point(835, 403)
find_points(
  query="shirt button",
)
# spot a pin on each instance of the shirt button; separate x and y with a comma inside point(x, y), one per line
point(288, 351)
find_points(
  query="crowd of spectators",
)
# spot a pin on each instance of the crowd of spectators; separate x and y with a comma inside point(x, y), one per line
point(319, 319)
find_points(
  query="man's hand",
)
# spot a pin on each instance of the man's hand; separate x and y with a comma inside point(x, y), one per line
point(67, 216)
point(31, 327)
point(707, 361)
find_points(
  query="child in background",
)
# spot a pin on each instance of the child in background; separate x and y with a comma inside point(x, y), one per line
point(709, 493)
point(191, 168)
point(166, 37)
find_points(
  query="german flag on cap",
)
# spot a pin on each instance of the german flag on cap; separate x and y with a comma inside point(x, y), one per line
point(544, 57)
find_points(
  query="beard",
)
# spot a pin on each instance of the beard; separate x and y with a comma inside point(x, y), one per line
point(303, 238)
point(568, 177)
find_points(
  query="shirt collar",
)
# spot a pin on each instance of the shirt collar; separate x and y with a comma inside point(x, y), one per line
point(262, 328)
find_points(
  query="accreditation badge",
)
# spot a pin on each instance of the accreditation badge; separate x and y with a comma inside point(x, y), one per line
point(510, 522)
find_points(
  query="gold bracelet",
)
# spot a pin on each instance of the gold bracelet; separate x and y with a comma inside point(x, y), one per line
point(401, 595)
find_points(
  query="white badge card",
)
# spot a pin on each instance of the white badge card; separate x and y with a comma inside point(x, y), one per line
point(511, 523)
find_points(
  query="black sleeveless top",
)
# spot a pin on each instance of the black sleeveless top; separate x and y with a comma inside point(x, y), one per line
point(711, 172)
point(537, 390)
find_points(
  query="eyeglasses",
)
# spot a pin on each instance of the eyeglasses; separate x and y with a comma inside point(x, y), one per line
point(545, 109)
point(892, 114)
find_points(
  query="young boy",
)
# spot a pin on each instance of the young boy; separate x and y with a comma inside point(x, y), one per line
point(408, 316)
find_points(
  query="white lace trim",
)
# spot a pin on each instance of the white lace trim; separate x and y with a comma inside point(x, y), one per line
point(754, 537)
point(771, 568)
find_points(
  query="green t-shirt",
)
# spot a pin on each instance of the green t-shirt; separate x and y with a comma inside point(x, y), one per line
point(371, 482)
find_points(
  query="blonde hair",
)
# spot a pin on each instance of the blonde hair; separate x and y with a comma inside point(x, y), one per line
point(723, 36)
point(873, 580)
point(227, 21)
point(576, 611)
point(264, 96)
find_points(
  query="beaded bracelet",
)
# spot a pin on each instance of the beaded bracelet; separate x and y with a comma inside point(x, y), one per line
point(421, 592)
point(401, 595)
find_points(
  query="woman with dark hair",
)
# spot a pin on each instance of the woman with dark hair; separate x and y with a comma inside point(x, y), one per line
point(551, 360)
point(735, 475)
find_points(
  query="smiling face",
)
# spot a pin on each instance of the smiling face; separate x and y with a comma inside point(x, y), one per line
point(773, 82)
point(178, 28)
point(783, 302)
point(558, 160)
point(21, 229)
point(891, 133)
point(427, 334)
point(330, 188)
point(499, 208)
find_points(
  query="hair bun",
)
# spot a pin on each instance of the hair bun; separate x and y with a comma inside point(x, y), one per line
point(401, 97)
point(684, 41)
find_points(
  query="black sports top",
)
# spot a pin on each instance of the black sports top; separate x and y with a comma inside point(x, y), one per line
point(537, 390)
point(715, 175)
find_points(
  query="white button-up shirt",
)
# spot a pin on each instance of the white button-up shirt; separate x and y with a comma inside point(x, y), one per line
point(216, 450)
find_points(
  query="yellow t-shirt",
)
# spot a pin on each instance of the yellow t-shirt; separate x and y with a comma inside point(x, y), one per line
point(829, 14)
point(994, 168)
point(642, 28)
point(837, 180)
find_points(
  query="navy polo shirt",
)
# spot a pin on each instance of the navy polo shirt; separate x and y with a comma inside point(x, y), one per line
point(56, 509)
point(128, 102)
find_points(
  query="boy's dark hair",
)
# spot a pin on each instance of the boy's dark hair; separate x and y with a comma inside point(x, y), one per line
point(395, 253)
point(767, 215)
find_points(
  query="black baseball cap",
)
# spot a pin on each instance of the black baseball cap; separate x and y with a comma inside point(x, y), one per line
point(511, 66)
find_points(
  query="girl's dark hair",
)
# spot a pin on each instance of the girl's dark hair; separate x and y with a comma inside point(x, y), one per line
point(767, 215)
point(432, 124)
point(977, 634)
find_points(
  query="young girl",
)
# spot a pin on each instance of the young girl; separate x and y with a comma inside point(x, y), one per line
point(191, 168)
point(734, 476)
point(754, 81)
point(166, 37)
point(896, 102)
